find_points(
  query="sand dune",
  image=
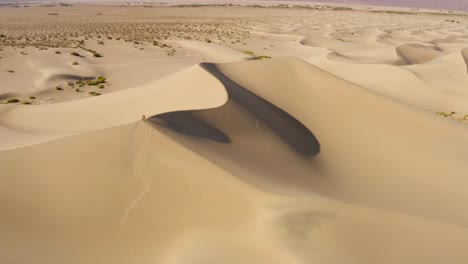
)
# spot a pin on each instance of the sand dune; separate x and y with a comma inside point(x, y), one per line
point(121, 108)
point(272, 192)
point(387, 55)
point(269, 135)
point(349, 110)
point(418, 54)
point(125, 107)
point(215, 52)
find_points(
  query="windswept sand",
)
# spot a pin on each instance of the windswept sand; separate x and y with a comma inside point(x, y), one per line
point(271, 135)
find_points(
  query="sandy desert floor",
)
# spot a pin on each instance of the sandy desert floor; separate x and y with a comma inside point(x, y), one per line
point(271, 135)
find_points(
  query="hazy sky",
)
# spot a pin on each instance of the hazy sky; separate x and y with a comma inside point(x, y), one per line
point(437, 4)
point(442, 4)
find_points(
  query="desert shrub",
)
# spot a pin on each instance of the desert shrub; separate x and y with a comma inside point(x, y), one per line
point(26, 103)
point(463, 118)
point(58, 88)
point(58, 52)
point(341, 8)
point(74, 53)
point(258, 57)
point(75, 63)
point(32, 97)
point(12, 100)
point(94, 93)
point(101, 86)
point(443, 114)
point(97, 81)
point(97, 55)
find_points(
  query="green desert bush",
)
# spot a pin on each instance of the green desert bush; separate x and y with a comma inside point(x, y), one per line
point(97, 81)
point(443, 114)
point(26, 103)
point(75, 63)
point(258, 57)
point(12, 101)
point(463, 118)
point(32, 97)
point(94, 93)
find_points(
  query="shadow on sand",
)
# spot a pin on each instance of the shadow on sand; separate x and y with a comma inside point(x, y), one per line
point(286, 127)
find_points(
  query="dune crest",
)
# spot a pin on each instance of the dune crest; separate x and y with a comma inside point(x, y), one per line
point(122, 108)
point(260, 133)
point(239, 172)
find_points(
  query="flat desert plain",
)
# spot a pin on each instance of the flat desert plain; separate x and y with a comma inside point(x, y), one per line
point(251, 133)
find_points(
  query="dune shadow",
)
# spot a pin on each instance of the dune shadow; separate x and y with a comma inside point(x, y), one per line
point(464, 54)
point(250, 138)
point(201, 124)
point(73, 77)
point(288, 128)
point(185, 122)
point(6, 96)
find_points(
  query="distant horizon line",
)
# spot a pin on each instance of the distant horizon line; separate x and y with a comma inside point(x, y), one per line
point(440, 4)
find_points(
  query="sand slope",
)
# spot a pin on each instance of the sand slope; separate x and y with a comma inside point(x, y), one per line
point(357, 182)
point(174, 92)
point(349, 145)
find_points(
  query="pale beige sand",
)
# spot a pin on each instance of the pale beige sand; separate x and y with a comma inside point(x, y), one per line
point(348, 146)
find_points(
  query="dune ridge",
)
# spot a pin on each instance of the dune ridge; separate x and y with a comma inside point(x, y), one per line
point(242, 174)
point(87, 114)
point(232, 134)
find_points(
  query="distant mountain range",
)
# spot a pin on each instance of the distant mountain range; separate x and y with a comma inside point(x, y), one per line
point(433, 4)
